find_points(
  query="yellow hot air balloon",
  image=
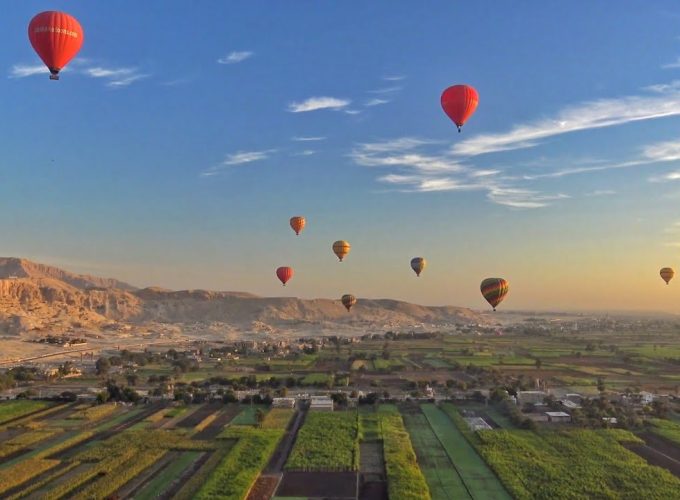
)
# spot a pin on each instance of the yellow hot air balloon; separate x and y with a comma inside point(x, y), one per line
point(341, 249)
point(348, 301)
point(418, 264)
point(667, 274)
point(298, 224)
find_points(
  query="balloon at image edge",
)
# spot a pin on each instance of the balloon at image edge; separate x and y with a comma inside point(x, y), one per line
point(341, 248)
point(56, 37)
point(667, 274)
point(298, 223)
point(348, 300)
point(494, 290)
point(284, 274)
point(418, 264)
point(459, 102)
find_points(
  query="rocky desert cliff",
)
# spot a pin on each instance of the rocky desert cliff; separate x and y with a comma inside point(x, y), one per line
point(40, 298)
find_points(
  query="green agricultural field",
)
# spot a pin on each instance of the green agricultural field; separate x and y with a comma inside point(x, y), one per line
point(667, 428)
point(317, 379)
point(326, 442)
point(159, 484)
point(14, 409)
point(440, 474)
point(479, 480)
point(573, 464)
point(247, 416)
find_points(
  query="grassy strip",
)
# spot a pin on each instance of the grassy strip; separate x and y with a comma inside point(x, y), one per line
point(476, 475)
point(247, 415)
point(94, 413)
point(667, 429)
point(120, 475)
point(205, 422)
point(235, 474)
point(23, 471)
point(326, 442)
point(66, 443)
point(159, 484)
point(19, 407)
point(200, 477)
point(158, 416)
point(405, 481)
point(574, 463)
point(277, 418)
point(28, 419)
point(36, 485)
point(25, 440)
point(439, 472)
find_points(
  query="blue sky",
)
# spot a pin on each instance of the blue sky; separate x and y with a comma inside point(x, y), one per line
point(178, 143)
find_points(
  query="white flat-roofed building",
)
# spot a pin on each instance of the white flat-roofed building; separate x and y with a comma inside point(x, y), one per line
point(558, 416)
point(283, 402)
point(323, 403)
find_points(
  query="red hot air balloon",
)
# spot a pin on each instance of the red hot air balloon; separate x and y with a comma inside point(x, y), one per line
point(57, 38)
point(459, 103)
point(284, 274)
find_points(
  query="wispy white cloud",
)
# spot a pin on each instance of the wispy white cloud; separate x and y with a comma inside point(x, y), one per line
point(236, 57)
point(352, 111)
point(305, 152)
point(317, 103)
point(375, 102)
point(668, 176)
point(673, 65)
point(117, 77)
point(601, 192)
point(665, 101)
point(307, 139)
point(385, 90)
point(24, 70)
point(424, 172)
point(238, 158)
point(393, 78)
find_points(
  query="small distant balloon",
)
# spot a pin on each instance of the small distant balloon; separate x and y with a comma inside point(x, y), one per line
point(284, 274)
point(667, 274)
point(57, 38)
point(341, 249)
point(494, 290)
point(298, 224)
point(418, 265)
point(459, 103)
point(348, 301)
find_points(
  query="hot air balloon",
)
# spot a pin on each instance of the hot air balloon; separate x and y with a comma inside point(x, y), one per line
point(57, 38)
point(298, 224)
point(341, 249)
point(459, 103)
point(418, 264)
point(284, 274)
point(667, 274)
point(348, 301)
point(494, 290)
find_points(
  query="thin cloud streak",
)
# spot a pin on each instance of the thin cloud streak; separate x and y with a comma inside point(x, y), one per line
point(235, 57)
point(589, 115)
point(317, 103)
point(238, 158)
point(385, 90)
point(24, 70)
point(307, 139)
point(376, 102)
point(117, 77)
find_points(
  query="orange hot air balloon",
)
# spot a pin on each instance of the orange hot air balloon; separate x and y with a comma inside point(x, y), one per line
point(284, 274)
point(57, 38)
point(667, 274)
point(418, 264)
point(298, 224)
point(341, 249)
point(494, 290)
point(348, 301)
point(459, 103)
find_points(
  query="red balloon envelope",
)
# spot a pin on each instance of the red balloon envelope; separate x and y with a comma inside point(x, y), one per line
point(459, 103)
point(284, 274)
point(57, 38)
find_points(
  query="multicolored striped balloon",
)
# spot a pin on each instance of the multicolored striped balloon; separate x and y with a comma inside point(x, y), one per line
point(667, 274)
point(494, 290)
point(418, 264)
point(348, 301)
